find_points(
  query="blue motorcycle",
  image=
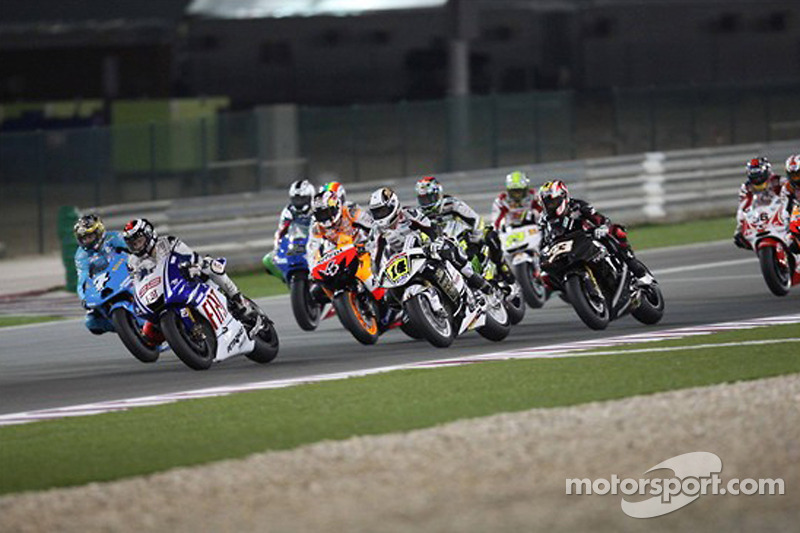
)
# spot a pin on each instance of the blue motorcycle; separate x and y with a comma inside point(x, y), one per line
point(290, 258)
point(109, 294)
point(194, 316)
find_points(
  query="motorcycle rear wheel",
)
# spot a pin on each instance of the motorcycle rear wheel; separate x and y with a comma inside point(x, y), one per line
point(532, 287)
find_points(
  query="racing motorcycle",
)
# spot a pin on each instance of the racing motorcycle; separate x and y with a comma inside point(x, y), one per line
point(108, 292)
point(435, 297)
point(342, 273)
point(193, 314)
point(290, 258)
point(521, 248)
point(597, 283)
point(481, 263)
point(765, 228)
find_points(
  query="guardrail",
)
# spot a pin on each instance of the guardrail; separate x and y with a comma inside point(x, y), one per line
point(650, 187)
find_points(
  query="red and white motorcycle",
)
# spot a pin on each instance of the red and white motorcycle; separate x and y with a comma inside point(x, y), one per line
point(765, 226)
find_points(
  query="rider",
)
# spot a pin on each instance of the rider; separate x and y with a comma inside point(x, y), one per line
point(298, 211)
point(440, 208)
point(563, 214)
point(333, 220)
point(94, 242)
point(790, 194)
point(518, 205)
point(761, 181)
point(148, 249)
point(394, 223)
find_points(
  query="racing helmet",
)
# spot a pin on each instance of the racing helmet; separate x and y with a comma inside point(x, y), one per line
point(327, 209)
point(554, 196)
point(89, 231)
point(384, 206)
point(140, 236)
point(793, 169)
point(758, 172)
point(517, 186)
point(337, 188)
point(429, 194)
point(301, 193)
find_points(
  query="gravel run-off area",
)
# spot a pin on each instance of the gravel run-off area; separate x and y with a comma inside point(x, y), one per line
point(500, 473)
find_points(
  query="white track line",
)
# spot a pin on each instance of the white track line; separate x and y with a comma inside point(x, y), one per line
point(556, 350)
point(704, 266)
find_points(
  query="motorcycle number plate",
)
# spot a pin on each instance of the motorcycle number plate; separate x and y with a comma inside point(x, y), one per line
point(397, 269)
point(100, 281)
point(514, 238)
point(151, 296)
point(560, 248)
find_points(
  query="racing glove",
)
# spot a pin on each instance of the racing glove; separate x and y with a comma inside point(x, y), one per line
point(740, 241)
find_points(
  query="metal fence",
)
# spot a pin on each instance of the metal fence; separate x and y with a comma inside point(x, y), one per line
point(261, 150)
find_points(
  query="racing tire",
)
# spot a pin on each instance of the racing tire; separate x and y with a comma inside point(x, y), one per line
point(532, 288)
point(778, 281)
point(515, 306)
point(306, 311)
point(267, 344)
point(349, 310)
point(596, 317)
point(437, 330)
point(498, 325)
point(651, 305)
point(127, 327)
point(407, 328)
point(197, 354)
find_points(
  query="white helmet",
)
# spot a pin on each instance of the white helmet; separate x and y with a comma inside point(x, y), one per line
point(384, 206)
point(300, 193)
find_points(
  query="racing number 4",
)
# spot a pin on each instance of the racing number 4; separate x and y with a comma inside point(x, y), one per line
point(214, 310)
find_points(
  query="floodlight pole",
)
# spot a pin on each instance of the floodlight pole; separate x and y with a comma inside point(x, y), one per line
point(462, 15)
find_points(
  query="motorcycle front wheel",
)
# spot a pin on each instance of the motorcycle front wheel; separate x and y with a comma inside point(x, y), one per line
point(356, 316)
point(592, 310)
point(532, 287)
point(306, 310)
point(778, 278)
point(130, 333)
point(431, 324)
point(196, 348)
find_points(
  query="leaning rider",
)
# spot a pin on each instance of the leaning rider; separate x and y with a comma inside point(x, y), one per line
point(563, 214)
point(761, 184)
point(298, 211)
point(148, 250)
point(393, 224)
point(335, 221)
point(518, 205)
point(95, 244)
point(441, 208)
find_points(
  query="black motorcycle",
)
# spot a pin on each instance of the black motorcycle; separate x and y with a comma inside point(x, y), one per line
point(599, 284)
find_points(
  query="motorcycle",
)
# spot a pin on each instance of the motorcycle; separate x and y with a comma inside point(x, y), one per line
point(290, 258)
point(765, 228)
point(342, 273)
point(597, 283)
point(521, 248)
point(193, 315)
point(482, 264)
point(108, 292)
point(435, 297)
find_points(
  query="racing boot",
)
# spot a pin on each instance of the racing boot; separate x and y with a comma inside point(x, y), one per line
point(241, 309)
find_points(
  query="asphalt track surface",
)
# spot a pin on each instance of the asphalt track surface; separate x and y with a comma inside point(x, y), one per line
point(61, 364)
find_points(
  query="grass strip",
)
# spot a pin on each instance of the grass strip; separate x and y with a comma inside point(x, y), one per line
point(258, 284)
point(14, 320)
point(659, 236)
point(146, 440)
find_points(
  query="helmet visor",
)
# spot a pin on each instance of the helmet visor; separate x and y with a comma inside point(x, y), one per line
point(552, 203)
point(757, 177)
point(381, 213)
point(301, 202)
point(89, 240)
point(137, 243)
point(428, 200)
point(325, 215)
point(517, 195)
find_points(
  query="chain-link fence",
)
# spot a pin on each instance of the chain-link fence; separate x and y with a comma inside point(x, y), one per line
point(262, 149)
